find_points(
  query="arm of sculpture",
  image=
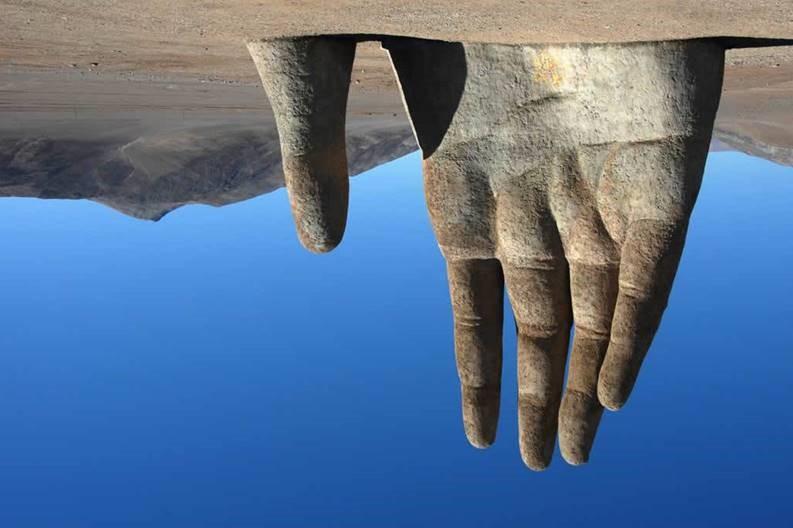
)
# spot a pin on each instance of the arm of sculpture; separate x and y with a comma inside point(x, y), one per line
point(307, 81)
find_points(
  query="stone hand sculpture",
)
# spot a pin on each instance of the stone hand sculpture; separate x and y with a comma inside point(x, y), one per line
point(567, 173)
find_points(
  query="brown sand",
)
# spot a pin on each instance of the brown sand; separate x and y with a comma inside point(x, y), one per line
point(86, 48)
point(206, 38)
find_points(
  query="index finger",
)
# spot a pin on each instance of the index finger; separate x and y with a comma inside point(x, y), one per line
point(650, 257)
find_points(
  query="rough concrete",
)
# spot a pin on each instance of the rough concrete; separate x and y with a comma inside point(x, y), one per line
point(307, 82)
point(566, 173)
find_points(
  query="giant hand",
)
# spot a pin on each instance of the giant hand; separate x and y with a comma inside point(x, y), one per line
point(567, 173)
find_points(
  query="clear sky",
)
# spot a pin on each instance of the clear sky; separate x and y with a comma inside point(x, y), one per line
point(207, 371)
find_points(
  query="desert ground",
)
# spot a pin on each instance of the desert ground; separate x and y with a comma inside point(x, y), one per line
point(108, 74)
point(204, 38)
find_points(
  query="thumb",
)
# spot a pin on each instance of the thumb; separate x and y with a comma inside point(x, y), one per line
point(307, 81)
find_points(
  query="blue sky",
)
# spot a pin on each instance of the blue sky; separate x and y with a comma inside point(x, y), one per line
point(206, 371)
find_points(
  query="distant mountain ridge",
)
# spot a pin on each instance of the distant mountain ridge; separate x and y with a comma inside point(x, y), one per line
point(749, 145)
point(151, 175)
point(147, 174)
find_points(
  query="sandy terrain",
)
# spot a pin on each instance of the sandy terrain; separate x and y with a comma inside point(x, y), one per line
point(205, 38)
point(94, 77)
